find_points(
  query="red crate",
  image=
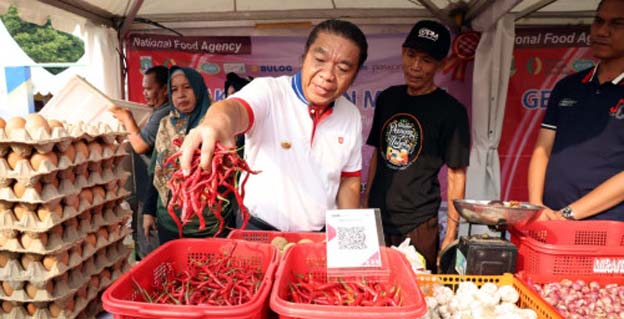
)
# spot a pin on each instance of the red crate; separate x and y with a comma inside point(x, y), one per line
point(312, 259)
point(267, 236)
point(580, 249)
point(120, 298)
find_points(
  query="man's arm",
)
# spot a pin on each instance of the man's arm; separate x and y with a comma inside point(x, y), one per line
point(456, 189)
point(537, 166)
point(372, 169)
point(349, 192)
point(603, 197)
point(134, 132)
point(222, 122)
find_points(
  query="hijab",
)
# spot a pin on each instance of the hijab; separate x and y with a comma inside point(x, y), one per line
point(177, 125)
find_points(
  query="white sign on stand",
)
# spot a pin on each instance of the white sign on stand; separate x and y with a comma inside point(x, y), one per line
point(353, 238)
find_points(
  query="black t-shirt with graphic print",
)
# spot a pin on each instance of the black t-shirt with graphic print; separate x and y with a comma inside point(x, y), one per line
point(414, 137)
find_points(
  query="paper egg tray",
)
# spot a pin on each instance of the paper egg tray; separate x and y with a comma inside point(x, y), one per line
point(74, 254)
point(50, 192)
point(42, 217)
point(68, 282)
point(86, 299)
point(25, 141)
point(25, 172)
point(63, 236)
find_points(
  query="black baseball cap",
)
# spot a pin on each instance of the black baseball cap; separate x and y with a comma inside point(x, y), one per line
point(431, 37)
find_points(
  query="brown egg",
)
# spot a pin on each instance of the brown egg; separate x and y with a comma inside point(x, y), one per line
point(77, 250)
point(70, 153)
point(13, 158)
point(55, 123)
point(31, 308)
point(72, 201)
point(27, 259)
point(105, 274)
point(31, 290)
point(54, 309)
point(8, 290)
point(4, 258)
point(98, 191)
point(94, 282)
point(56, 230)
point(34, 121)
point(86, 195)
point(19, 188)
point(2, 123)
point(91, 239)
point(44, 212)
point(7, 306)
point(37, 159)
point(14, 124)
point(95, 147)
point(81, 147)
point(20, 210)
point(70, 305)
point(28, 238)
point(103, 233)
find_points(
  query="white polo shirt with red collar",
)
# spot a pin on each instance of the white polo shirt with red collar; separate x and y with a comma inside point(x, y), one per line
point(301, 155)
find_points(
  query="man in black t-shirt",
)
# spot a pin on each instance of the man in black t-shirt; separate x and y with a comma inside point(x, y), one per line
point(418, 128)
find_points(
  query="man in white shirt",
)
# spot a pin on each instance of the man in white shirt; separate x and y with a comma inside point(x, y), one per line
point(300, 132)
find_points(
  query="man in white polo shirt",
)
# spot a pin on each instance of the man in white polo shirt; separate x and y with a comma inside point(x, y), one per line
point(300, 132)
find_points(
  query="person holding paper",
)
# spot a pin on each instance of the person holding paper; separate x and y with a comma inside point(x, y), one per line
point(142, 142)
point(577, 166)
point(300, 133)
point(417, 128)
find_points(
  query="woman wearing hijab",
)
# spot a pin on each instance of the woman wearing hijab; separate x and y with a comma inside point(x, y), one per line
point(189, 96)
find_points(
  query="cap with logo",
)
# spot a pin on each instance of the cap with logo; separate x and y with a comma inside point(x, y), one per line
point(431, 37)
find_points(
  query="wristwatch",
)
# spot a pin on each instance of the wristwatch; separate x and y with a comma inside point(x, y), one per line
point(567, 213)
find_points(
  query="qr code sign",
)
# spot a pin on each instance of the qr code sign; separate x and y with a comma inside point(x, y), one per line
point(351, 238)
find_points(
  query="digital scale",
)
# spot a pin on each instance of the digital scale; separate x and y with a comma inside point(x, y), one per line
point(483, 254)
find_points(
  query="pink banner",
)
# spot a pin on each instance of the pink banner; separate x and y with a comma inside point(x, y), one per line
point(541, 58)
point(274, 56)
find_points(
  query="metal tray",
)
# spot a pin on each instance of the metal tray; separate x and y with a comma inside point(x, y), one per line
point(496, 212)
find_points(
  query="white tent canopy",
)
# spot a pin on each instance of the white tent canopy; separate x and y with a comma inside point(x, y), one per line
point(104, 22)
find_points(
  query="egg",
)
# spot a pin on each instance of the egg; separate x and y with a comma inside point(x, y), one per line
point(72, 201)
point(95, 147)
point(27, 259)
point(44, 212)
point(13, 124)
point(91, 239)
point(6, 287)
point(98, 191)
point(2, 123)
point(105, 274)
point(4, 258)
point(28, 239)
point(20, 210)
point(13, 158)
point(77, 250)
point(82, 292)
point(56, 230)
point(31, 290)
point(50, 261)
point(55, 123)
point(35, 121)
point(54, 309)
point(31, 308)
point(86, 195)
point(19, 188)
point(81, 148)
point(70, 305)
point(37, 159)
point(94, 282)
point(103, 233)
point(70, 153)
point(7, 306)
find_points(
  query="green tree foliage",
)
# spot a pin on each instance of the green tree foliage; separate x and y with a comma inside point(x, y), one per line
point(43, 44)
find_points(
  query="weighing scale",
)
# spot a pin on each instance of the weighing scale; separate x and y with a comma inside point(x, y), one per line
point(483, 254)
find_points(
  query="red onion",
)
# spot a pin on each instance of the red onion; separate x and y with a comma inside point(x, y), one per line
point(578, 299)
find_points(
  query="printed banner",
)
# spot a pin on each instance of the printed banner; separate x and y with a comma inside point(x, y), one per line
point(275, 56)
point(541, 58)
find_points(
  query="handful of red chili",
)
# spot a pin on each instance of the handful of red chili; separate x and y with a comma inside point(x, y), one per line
point(217, 282)
point(201, 189)
point(305, 289)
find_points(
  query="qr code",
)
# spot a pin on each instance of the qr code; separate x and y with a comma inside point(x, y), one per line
point(351, 238)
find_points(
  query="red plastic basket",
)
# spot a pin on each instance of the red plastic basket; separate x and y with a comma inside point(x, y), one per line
point(312, 259)
point(120, 298)
point(267, 236)
point(588, 250)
